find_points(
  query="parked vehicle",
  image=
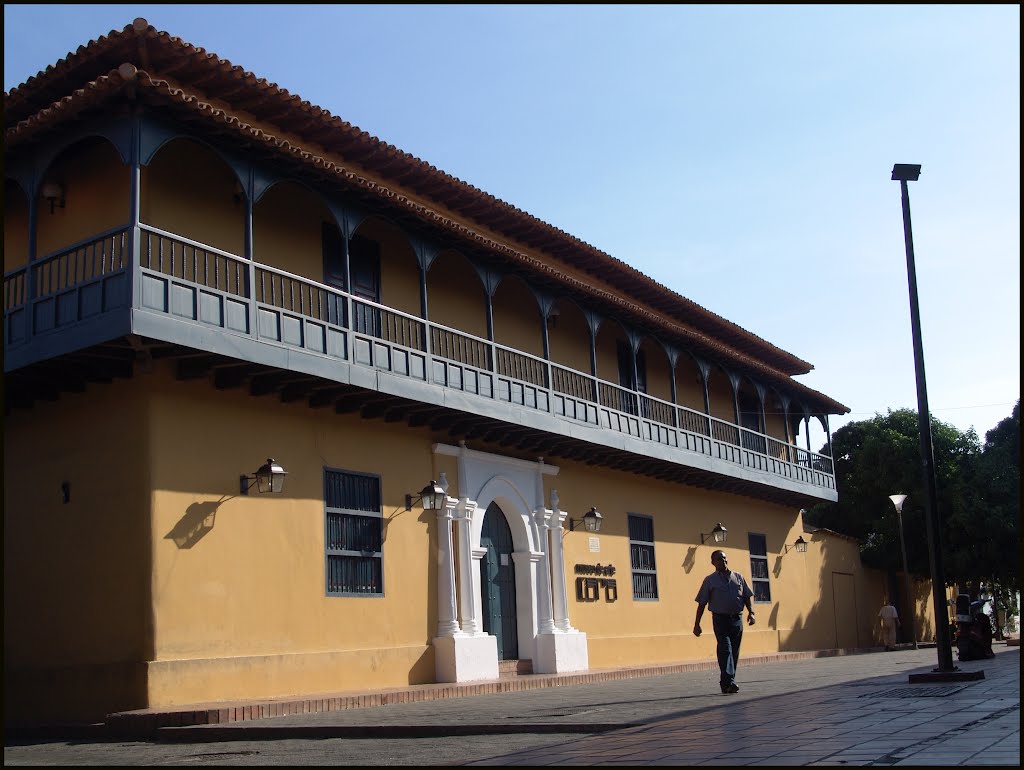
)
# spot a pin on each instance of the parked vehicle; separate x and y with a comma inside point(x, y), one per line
point(974, 631)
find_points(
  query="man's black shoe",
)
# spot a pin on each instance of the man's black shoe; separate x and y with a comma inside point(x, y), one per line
point(731, 688)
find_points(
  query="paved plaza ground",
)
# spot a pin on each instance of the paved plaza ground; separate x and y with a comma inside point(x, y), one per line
point(844, 710)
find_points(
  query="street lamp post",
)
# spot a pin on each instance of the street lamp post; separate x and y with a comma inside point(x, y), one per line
point(897, 500)
point(907, 172)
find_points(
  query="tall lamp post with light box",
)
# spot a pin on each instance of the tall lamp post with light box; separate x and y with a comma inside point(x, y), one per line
point(946, 671)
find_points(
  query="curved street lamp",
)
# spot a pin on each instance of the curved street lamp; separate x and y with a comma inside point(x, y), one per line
point(897, 501)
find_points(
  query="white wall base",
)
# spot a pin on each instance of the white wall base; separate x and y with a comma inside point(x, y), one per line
point(466, 658)
point(560, 652)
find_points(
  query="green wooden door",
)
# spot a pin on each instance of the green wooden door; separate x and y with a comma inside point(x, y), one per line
point(498, 583)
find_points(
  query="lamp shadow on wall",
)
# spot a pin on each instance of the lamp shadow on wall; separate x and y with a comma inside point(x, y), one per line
point(196, 524)
point(386, 521)
point(690, 559)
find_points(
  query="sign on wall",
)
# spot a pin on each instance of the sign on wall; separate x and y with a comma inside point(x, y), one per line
point(592, 578)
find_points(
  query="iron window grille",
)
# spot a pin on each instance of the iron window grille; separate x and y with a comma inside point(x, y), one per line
point(759, 568)
point(641, 557)
point(353, 534)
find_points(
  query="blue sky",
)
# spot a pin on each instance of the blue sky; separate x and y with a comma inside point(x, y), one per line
point(740, 155)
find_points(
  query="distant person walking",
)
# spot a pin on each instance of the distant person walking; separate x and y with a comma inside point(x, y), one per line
point(726, 593)
point(890, 622)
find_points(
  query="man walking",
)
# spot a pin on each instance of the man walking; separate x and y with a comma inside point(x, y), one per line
point(890, 622)
point(726, 593)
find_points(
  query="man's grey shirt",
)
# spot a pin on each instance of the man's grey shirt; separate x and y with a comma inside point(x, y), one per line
point(724, 594)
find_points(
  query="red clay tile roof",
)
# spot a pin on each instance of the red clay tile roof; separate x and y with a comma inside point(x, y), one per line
point(136, 59)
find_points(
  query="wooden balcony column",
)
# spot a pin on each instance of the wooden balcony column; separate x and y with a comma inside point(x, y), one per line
point(761, 394)
point(785, 401)
point(705, 373)
point(635, 340)
point(734, 381)
point(490, 279)
point(673, 359)
point(250, 273)
point(135, 201)
point(593, 324)
point(807, 429)
point(31, 188)
point(426, 254)
point(348, 219)
point(546, 305)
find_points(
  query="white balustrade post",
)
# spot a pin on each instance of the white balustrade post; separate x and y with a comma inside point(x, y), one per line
point(560, 604)
point(447, 620)
point(545, 623)
point(469, 585)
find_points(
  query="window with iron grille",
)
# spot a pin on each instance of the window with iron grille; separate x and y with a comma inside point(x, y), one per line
point(759, 568)
point(641, 557)
point(353, 534)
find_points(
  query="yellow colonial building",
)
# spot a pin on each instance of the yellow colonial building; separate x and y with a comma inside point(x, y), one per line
point(290, 411)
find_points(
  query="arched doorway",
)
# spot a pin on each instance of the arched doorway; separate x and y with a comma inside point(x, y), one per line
point(498, 583)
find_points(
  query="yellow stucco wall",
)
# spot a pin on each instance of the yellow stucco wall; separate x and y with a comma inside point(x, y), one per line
point(15, 225)
point(659, 375)
point(287, 229)
point(95, 185)
point(240, 604)
point(720, 396)
point(608, 337)
point(569, 338)
point(517, 322)
point(800, 615)
point(221, 596)
point(689, 388)
point(400, 276)
point(456, 295)
point(775, 418)
point(77, 619)
point(188, 190)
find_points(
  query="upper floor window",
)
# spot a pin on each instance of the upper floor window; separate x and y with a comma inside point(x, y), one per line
point(759, 568)
point(641, 557)
point(354, 533)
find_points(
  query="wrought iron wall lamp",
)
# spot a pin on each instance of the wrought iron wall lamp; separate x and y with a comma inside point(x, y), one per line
point(53, 193)
point(431, 496)
point(718, 534)
point(591, 521)
point(799, 544)
point(269, 478)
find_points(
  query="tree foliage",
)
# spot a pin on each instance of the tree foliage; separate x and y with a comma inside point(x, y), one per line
point(994, 558)
point(978, 491)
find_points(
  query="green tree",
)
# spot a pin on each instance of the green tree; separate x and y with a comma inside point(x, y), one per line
point(882, 456)
point(989, 527)
point(978, 489)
